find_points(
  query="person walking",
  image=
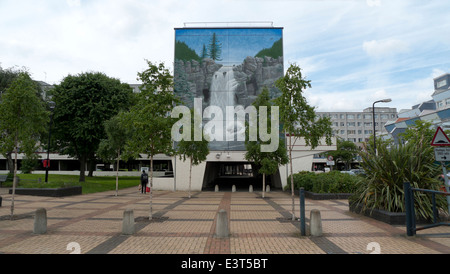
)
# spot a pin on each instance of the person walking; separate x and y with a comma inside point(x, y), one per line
point(144, 181)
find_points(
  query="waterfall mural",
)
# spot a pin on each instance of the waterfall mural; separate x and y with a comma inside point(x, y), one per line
point(226, 67)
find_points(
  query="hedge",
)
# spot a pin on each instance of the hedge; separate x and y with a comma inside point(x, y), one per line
point(329, 182)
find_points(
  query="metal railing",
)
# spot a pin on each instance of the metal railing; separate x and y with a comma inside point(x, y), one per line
point(411, 228)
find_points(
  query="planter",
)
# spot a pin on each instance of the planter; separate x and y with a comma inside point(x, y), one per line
point(49, 192)
point(324, 196)
point(392, 218)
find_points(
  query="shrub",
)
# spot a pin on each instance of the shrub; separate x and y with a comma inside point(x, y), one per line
point(386, 172)
point(331, 182)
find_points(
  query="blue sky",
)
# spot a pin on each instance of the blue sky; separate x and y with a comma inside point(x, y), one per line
point(353, 51)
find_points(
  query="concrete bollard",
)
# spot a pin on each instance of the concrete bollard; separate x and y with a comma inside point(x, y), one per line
point(233, 188)
point(315, 223)
point(267, 188)
point(216, 189)
point(40, 221)
point(128, 222)
point(250, 188)
point(222, 230)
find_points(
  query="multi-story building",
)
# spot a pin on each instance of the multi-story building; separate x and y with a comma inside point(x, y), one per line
point(435, 111)
point(358, 127)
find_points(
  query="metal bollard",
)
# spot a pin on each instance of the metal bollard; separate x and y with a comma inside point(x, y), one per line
point(409, 209)
point(302, 212)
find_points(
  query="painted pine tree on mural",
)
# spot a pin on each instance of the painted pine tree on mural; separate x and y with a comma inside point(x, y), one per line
point(215, 48)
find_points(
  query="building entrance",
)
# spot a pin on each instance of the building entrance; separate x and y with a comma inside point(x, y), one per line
point(240, 174)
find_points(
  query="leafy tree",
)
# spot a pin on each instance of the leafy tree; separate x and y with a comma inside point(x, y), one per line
point(23, 118)
point(83, 103)
point(267, 162)
point(111, 147)
point(6, 78)
point(148, 121)
point(299, 119)
point(215, 48)
point(345, 152)
point(196, 151)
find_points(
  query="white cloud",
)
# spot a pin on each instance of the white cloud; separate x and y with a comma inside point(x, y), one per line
point(385, 48)
point(73, 3)
point(373, 3)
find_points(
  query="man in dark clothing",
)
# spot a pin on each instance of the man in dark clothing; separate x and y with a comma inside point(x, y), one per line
point(144, 181)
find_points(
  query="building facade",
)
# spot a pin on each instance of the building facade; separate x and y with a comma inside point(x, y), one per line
point(358, 127)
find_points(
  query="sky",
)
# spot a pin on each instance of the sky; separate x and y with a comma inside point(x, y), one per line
point(354, 51)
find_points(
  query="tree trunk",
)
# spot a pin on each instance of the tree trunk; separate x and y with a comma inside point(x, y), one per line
point(151, 187)
point(117, 172)
point(190, 175)
point(82, 168)
point(91, 167)
point(292, 178)
point(10, 162)
point(264, 185)
point(15, 176)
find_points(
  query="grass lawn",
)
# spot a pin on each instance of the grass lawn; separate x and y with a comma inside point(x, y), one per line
point(92, 184)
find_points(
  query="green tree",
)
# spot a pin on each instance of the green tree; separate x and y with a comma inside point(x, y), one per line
point(345, 152)
point(204, 52)
point(23, 118)
point(267, 162)
point(83, 103)
point(297, 117)
point(196, 151)
point(110, 148)
point(6, 78)
point(149, 121)
point(215, 48)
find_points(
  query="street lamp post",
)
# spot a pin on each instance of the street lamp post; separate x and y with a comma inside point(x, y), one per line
point(51, 105)
point(373, 118)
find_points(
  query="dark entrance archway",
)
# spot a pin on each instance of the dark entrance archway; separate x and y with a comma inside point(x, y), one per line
point(240, 174)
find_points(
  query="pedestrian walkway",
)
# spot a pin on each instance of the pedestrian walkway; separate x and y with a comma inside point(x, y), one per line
point(92, 223)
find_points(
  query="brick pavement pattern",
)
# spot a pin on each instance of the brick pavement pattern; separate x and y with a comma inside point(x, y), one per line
point(92, 223)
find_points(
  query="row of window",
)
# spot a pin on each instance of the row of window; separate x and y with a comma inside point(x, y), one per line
point(342, 132)
point(354, 124)
point(383, 116)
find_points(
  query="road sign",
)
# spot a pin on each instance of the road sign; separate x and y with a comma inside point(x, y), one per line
point(440, 138)
point(442, 154)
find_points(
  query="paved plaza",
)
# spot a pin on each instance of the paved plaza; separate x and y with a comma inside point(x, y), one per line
point(92, 223)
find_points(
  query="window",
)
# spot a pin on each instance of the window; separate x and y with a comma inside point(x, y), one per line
point(351, 124)
point(367, 116)
point(384, 116)
point(342, 131)
point(367, 124)
point(350, 116)
point(351, 132)
point(441, 83)
point(367, 131)
point(342, 116)
point(342, 124)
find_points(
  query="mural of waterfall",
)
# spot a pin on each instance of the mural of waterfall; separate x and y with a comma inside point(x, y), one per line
point(226, 67)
